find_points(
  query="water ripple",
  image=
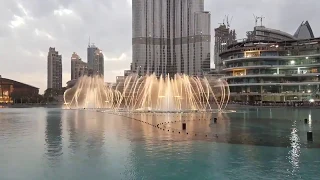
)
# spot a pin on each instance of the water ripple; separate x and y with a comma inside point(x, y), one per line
point(41, 143)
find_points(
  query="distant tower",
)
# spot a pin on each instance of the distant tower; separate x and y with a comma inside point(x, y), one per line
point(98, 63)
point(78, 67)
point(222, 38)
point(90, 55)
point(95, 60)
point(54, 69)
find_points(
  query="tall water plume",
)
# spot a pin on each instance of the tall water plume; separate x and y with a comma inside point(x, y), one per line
point(150, 93)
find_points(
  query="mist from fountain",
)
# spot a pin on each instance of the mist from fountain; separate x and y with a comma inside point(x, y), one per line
point(150, 93)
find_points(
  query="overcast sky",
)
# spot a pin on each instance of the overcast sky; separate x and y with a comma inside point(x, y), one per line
point(29, 27)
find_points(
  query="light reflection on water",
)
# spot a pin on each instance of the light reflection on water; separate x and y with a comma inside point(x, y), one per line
point(44, 143)
point(294, 153)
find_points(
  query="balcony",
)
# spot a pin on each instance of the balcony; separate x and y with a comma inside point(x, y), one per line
point(265, 66)
point(309, 73)
point(272, 62)
point(274, 83)
point(273, 94)
point(244, 57)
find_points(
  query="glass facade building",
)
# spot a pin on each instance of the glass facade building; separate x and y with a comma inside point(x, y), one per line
point(274, 71)
point(170, 36)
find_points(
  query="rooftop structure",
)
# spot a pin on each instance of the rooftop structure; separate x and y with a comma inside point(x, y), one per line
point(304, 31)
point(263, 33)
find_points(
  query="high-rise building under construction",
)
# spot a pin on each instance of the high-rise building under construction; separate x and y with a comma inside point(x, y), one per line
point(223, 37)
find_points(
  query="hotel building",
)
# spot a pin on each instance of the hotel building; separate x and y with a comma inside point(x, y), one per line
point(277, 71)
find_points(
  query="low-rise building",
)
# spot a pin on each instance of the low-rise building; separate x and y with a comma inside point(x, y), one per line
point(277, 71)
point(10, 88)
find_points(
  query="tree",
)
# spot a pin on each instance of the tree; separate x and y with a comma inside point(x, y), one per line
point(50, 92)
point(24, 97)
point(16, 97)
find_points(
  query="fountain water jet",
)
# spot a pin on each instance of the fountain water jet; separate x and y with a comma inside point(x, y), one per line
point(150, 93)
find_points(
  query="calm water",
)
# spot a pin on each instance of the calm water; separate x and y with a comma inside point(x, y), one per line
point(40, 143)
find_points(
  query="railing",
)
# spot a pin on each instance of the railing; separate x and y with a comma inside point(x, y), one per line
point(294, 74)
point(270, 66)
point(276, 82)
point(273, 93)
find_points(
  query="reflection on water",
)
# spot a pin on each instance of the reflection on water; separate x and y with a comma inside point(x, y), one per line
point(74, 137)
point(53, 134)
point(234, 128)
point(86, 128)
point(84, 144)
point(95, 140)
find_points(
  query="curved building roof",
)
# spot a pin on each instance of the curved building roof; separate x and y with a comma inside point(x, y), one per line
point(16, 84)
point(286, 36)
point(304, 31)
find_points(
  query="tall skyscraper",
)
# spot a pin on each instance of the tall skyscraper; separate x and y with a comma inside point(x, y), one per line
point(54, 69)
point(95, 60)
point(78, 67)
point(222, 38)
point(169, 37)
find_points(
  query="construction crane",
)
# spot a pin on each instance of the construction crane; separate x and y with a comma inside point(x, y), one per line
point(222, 22)
point(261, 19)
point(228, 21)
point(256, 18)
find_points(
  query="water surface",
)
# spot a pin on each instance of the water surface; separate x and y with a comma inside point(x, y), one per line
point(264, 143)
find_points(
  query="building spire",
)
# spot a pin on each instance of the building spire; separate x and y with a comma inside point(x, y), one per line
point(89, 42)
